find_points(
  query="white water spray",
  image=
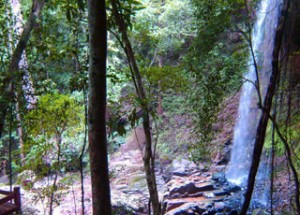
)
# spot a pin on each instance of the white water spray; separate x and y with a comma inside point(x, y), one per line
point(248, 113)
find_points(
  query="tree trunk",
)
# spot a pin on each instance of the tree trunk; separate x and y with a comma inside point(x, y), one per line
point(20, 131)
point(56, 170)
point(97, 107)
point(148, 158)
point(83, 151)
point(27, 85)
point(7, 86)
point(159, 109)
point(263, 122)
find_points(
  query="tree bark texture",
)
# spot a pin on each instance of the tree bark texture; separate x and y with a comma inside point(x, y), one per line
point(263, 122)
point(7, 87)
point(97, 108)
point(27, 86)
point(148, 157)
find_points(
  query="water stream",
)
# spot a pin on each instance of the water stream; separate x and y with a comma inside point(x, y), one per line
point(263, 34)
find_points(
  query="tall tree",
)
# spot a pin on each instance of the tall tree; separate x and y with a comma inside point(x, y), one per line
point(97, 107)
point(27, 85)
point(148, 157)
point(7, 88)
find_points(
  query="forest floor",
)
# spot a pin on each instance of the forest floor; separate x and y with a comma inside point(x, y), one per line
point(128, 188)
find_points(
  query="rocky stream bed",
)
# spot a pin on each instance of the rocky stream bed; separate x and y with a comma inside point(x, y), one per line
point(184, 189)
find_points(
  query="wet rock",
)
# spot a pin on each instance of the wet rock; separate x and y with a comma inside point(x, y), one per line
point(219, 177)
point(219, 168)
point(232, 188)
point(181, 174)
point(233, 204)
point(211, 211)
point(187, 209)
point(172, 205)
point(209, 194)
point(183, 167)
point(202, 193)
point(226, 156)
point(199, 194)
point(221, 193)
point(218, 200)
point(191, 188)
point(219, 206)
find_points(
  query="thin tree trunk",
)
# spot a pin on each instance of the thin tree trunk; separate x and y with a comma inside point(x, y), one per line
point(83, 152)
point(160, 109)
point(263, 122)
point(148, 158)
point(272, 170)
point(273, 159)
point(7, 86)
point(10, 148)
point(97, 108)
point(20, 131)
point(54, 188)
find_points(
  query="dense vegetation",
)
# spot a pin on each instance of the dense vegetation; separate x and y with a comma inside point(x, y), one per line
point(190, 54)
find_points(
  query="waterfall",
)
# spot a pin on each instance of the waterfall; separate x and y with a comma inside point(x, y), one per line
point(263, 34)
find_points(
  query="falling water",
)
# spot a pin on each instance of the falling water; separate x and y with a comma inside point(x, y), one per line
point(248, 114)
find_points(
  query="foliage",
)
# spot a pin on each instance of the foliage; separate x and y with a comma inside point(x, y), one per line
point(291, 132)
point(218, 77)
point(57, 50)
point(215, 78)
point(163, 29)
point(167, 78)
point(55, 116)
point(216, 62)
point(213, 19)
point(54, 113)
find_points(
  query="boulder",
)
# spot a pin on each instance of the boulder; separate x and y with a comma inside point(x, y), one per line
point(232, 188)
point(188, 209)
point(170, 205)
point(123, 203)
point(190, 188)
point(225, 158)
point(183, 167)
point(219, 177)
point(221, 193)
point(219, 206)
